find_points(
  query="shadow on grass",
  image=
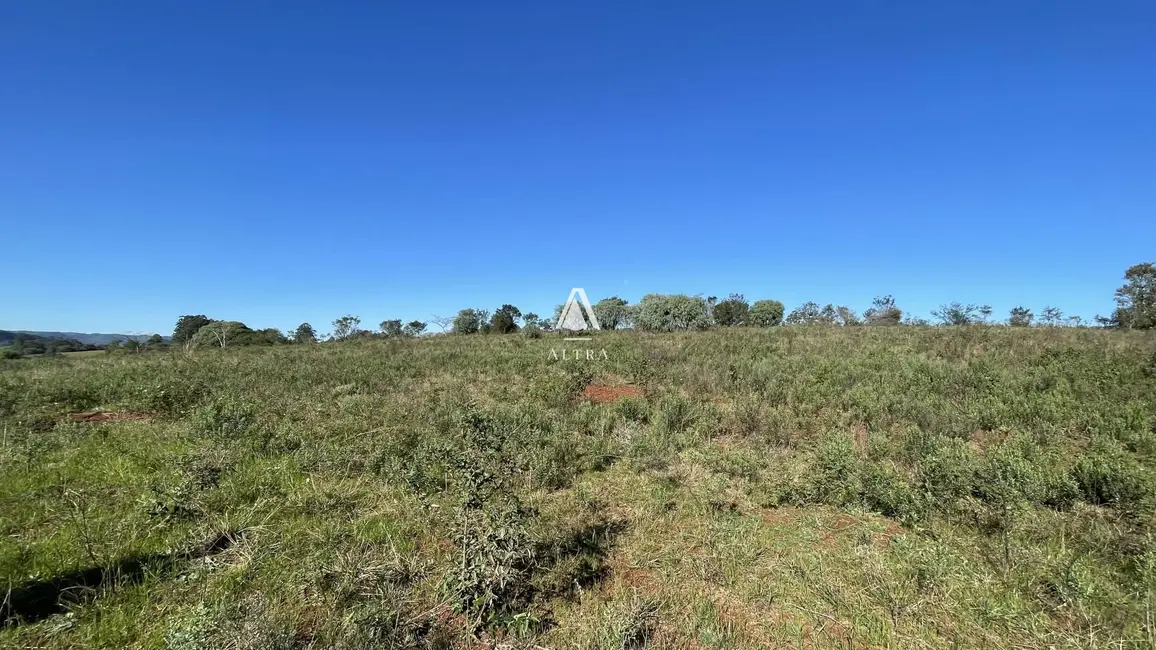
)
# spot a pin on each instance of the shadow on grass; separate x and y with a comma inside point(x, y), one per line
point(40, 599)
point(577, 560)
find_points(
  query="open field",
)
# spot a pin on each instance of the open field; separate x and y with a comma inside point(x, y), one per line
point(906, 487)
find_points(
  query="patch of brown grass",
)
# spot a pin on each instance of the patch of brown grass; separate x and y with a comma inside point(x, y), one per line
point(107, 416)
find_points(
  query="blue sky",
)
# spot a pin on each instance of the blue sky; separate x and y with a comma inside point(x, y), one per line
point(280, 162)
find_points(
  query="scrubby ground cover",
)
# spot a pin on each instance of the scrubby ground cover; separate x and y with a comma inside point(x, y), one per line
point(791, 487)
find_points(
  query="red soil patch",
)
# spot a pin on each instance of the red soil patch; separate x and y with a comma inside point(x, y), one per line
point(107, 416)
point(600, 394)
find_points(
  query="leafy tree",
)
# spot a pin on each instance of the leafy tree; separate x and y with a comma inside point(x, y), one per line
point(809, 313)
point(1051, 317)
point(732, 312)
point(112, 346)
point(304, 334)
point(346, 327)
point(766, 313)
point(267, 336)
point(391, 329)
point(155, 342)
point(505, 319)
point(469, 321)
point(612, 313)
point(672, 313)
point(188, 326)
point(959, 314)
point(220, 334)
point(1136, 300)
point(413, 328)
point(883, 312)
point(1020, 317)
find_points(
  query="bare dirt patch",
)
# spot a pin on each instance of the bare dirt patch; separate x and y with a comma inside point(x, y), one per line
point(601, 394)
point(107, 416)
point(983, 439)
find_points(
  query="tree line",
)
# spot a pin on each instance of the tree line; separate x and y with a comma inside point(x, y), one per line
point(1135, 309)
point(14, 345)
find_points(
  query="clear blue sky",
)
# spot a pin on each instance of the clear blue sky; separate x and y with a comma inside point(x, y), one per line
point(280, 162)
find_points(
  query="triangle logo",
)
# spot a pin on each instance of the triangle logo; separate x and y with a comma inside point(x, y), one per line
point(572, 317)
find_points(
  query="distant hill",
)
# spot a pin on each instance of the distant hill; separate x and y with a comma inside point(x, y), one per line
point(88, 339)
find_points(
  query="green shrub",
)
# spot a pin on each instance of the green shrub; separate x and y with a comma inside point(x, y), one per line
point(887, 491)
point(673, 313)
point(532, 331)
point(224, 418)
point(836, 480)
point(1106, 478)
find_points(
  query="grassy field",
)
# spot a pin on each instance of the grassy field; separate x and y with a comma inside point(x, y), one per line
point(907, 487)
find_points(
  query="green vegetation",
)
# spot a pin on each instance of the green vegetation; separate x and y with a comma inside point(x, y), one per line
point(14, 345)
point(818, 487)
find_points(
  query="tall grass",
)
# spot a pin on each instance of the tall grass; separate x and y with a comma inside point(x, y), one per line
point(816, 487)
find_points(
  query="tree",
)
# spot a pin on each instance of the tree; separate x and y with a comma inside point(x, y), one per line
point(960, 314)
point(1136, 300)
point(1020, 317)
point(413, 328)
point(612, 313)
point(267, 336)
point(505, 319)
point(304, 334)
point(444, 322)
point(672, 313)
point(809, 313)
point(1051, 317)
point(883, 312)
point(391, 329)
point(220, 334)
point(845, 316)
point(469, 321)
point(766, 313)
point(346, 327)
point(155, 342)
point(188, 326)
point(530, 319)
point(732, 312)
point(135, 342)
